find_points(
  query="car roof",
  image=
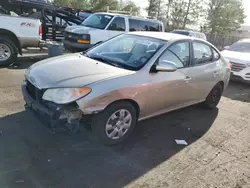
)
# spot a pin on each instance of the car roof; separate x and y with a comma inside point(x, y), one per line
point(124, 15)
point(190, 31)
point(161, 35)
point(168, 36)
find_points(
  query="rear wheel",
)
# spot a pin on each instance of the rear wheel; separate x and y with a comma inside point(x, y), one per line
point(8, 52)
point(115, 123)
point(214, 97)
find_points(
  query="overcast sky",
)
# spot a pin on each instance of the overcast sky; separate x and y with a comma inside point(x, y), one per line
point(246, 3)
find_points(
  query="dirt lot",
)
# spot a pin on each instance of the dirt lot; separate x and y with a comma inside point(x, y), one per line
point(217, 155)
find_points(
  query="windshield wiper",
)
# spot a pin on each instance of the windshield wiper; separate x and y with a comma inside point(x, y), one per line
point(104, 61)
point(89, 26)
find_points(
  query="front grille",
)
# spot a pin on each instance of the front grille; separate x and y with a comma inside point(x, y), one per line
point(237, 67)
point(71, 36)
point(34, 92)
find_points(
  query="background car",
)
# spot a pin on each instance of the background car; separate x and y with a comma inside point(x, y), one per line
point(128, 78)
point(190, 33)
point(100, 27)
point(239, 56)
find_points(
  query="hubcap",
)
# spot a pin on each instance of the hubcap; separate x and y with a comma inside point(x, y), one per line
point(5, 52)
point(118, 124)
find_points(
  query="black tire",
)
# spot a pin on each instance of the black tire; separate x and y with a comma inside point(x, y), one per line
point(13, 51)
point(214, 97)
point(100, 120)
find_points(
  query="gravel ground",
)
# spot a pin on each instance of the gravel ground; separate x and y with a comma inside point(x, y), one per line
point(217, 154)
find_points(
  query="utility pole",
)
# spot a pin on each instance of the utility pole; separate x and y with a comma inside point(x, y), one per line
point(121, 4)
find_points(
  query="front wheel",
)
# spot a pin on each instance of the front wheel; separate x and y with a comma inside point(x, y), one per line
point(115, 123)
point(214, 97)
point(8, 52)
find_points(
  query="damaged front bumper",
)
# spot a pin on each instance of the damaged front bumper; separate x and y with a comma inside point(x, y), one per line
point(58, 116)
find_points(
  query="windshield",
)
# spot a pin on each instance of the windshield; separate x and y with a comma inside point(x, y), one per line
point(126, 51)
point(99, 21)
point(240, 47)
point(84, 14)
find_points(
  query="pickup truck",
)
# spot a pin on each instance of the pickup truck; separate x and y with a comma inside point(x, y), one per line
point(17, 33)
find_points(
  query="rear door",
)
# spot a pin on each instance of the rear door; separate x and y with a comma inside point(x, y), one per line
point(205, 71)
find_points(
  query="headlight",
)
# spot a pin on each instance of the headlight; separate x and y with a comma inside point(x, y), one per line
point(65, 95)
point(85, 37)
point(248, 64)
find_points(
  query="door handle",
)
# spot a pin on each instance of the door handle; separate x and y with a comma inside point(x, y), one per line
point(187, 78)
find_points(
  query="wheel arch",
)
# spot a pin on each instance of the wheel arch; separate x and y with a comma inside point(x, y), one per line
point(222, 84)
point(131, 101)
point(13, 37)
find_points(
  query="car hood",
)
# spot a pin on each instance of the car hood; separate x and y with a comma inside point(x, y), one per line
point(237, 57)
point(79, 29)
point(74, 70)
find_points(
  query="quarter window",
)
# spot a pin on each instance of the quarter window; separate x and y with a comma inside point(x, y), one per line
point(178, 53)
point(118, 24)
point(202, 53)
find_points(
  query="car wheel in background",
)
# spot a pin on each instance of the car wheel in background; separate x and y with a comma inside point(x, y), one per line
point(8, 52)
point(214, 97)
point(115, 123)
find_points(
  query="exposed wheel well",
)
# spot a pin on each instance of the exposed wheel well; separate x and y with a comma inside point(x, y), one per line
point(222, 84)
point(135, 104)
point(13, 37)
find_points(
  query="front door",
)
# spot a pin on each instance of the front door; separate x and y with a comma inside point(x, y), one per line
point(169, 90)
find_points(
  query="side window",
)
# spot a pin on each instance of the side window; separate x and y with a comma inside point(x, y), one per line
point(118, 24)
point(202, 53)
point(143, 26)
point(133, 25)
point(216, 55)
point(148, 26)
point(177, 53)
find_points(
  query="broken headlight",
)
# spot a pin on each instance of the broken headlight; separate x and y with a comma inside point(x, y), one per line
point(65, 95)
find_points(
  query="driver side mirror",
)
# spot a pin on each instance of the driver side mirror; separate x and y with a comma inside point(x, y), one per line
point(226, 47)
point(165, 66)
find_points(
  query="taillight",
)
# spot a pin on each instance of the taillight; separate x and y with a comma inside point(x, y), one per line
point(40, 30)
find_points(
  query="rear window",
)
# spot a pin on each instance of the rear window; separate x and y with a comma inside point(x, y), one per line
point(181, 32)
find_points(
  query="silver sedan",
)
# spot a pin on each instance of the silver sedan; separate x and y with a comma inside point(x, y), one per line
point(126, 79)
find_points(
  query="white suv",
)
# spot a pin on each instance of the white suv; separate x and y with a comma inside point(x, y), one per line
point(102, 26)
point(239, 56)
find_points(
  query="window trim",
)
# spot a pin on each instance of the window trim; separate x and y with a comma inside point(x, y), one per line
point(176, 42)
point(213, 49)
point(107, 28)
point(205, 61)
